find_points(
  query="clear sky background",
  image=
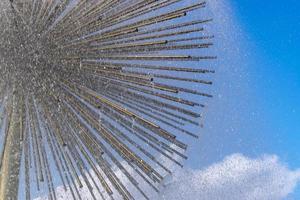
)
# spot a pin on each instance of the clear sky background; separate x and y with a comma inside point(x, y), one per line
point(256, 108)
point(273, 28)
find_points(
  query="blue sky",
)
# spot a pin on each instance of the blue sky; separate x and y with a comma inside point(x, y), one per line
point(256, 108)
point(258, 75)
point(273, 29)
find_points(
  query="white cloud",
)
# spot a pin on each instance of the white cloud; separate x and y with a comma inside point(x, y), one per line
point(236, 177)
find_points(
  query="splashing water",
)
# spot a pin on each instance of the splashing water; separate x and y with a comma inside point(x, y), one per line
point(92, 88)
